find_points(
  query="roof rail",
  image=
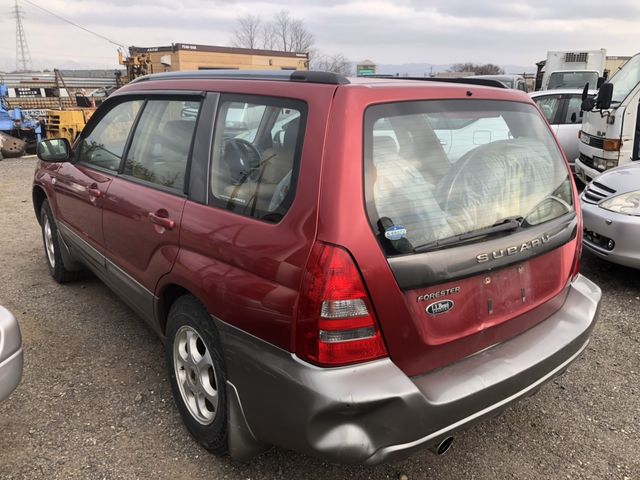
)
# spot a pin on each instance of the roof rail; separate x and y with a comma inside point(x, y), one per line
point(279, 75)
point(486, 82)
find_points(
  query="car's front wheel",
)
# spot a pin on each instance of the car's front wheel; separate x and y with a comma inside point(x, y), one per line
point(197, 373)
point(52, 246)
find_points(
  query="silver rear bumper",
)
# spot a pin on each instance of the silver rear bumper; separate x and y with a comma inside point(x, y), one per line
point(10, 353)
point(373, 412)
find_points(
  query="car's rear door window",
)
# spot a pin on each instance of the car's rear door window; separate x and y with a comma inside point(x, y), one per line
point(439, 173)
point(161, 143)
point(549, 105)
point(256, 153)
point(104, 145)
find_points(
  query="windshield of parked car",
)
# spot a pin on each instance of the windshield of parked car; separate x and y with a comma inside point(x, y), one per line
point(572, 80)
point(435, 170)
point(625, 80)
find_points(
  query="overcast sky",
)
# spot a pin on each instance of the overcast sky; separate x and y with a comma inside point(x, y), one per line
point(402, 31)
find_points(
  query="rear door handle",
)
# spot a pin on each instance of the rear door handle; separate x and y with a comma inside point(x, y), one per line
point(161, 217)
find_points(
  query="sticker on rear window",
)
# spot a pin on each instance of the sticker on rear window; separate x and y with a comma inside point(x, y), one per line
point(395, 233)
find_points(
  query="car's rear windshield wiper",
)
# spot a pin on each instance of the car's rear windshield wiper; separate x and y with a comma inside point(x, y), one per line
point(508, 224)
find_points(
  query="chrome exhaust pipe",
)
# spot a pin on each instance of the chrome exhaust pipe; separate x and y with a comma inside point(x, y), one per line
point(442, 447)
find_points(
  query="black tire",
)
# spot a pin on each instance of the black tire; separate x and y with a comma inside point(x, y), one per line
point(188, 314)
point(54, 258)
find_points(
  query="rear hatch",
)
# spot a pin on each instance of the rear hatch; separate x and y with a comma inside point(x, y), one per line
point(474, 209)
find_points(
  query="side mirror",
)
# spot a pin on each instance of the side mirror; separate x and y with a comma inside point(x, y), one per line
point(585, 91)
point(605, 94)
point(601, 81)
point(587, 102)
point(54, 150)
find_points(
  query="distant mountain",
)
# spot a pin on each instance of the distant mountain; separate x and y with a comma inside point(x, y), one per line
point(426, 69)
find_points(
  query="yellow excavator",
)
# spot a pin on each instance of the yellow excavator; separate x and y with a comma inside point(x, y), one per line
point(136, 64)
point(68, 122)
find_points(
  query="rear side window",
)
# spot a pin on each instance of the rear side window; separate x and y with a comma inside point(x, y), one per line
point(159, 151)
point(549, 105)
point(104, 145)
point(256, 152)
point(439, 172)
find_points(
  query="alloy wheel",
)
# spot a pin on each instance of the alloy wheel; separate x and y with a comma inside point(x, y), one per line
point(195, 375)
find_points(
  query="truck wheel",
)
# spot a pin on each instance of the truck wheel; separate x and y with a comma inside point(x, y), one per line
point(197, 373)
point(52, 246)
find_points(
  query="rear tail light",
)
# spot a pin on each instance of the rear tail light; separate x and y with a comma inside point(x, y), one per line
point(336, 324)
point(575, 269)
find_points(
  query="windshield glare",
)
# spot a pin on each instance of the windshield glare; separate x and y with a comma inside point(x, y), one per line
point(437, 169)
point(625, 79)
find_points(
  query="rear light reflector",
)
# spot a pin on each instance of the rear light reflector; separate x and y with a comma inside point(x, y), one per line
point(338, 336)
point(336, 324)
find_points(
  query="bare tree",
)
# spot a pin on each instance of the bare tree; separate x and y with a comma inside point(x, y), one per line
point(247, 32)
point(268, 37)
point(283, 33)
point(300, 39)
point(281, 29)
point(486, 69)
point(330, 63)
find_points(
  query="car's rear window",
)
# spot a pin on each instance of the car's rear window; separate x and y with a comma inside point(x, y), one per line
point(441, 172)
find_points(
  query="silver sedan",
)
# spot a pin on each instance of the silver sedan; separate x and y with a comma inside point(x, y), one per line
point(611, 211)
point(10, 353)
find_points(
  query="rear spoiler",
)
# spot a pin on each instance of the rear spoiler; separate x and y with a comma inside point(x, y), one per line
point(486, 82)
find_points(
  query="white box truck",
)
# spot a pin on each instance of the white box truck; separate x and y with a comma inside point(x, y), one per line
point(610, 134)
point(573, 69)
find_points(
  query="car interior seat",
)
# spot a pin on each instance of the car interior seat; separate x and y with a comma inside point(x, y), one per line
point(272, 178)
point(277, 169)
point(421, 146)
point(403, 194)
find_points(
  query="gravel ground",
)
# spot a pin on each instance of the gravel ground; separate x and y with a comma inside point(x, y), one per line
point(94, 401)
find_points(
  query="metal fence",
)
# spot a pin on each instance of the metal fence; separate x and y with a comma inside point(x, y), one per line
point(88, 79)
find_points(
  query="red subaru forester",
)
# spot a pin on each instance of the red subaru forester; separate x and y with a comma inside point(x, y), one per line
point(349, 268)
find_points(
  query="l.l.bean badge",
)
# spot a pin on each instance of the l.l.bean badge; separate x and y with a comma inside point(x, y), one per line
point(395, 233)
